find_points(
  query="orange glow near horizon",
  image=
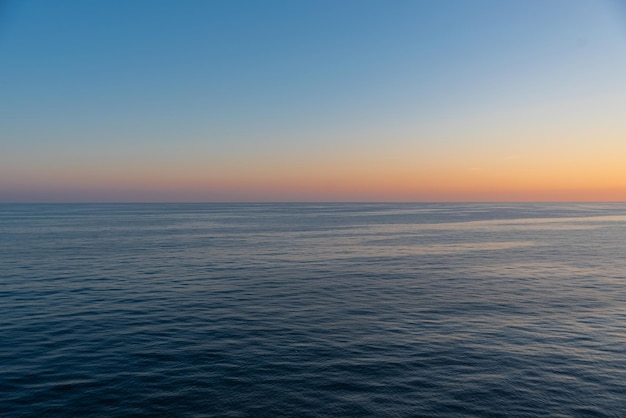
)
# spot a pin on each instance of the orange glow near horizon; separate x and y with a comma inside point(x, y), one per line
point(361, 180)
point(546, 159)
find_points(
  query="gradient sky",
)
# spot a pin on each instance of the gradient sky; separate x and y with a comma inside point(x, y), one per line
point(343, 100)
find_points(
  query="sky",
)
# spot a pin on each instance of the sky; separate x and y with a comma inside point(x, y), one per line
point(343, 100)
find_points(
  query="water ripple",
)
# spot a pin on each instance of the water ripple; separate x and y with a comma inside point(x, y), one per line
point(317, 310)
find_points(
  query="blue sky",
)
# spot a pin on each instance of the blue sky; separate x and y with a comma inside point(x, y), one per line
point(164, 100)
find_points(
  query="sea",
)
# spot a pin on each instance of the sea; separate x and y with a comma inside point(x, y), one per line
point(313, 310)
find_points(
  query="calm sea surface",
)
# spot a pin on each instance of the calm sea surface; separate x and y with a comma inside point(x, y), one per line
point(313, 310)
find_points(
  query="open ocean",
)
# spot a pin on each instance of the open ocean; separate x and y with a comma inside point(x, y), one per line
point(313, 310)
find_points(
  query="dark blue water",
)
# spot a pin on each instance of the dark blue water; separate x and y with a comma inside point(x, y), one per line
point(313, 310)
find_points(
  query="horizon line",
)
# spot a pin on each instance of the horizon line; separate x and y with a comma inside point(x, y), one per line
point(306, 202)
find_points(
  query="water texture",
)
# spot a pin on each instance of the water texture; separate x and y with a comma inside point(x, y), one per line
point(313, 310)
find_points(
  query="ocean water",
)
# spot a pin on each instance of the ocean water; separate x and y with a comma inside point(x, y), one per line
point(313, 310)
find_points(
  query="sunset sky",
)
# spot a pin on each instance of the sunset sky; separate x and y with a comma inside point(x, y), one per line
point(343, 100)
